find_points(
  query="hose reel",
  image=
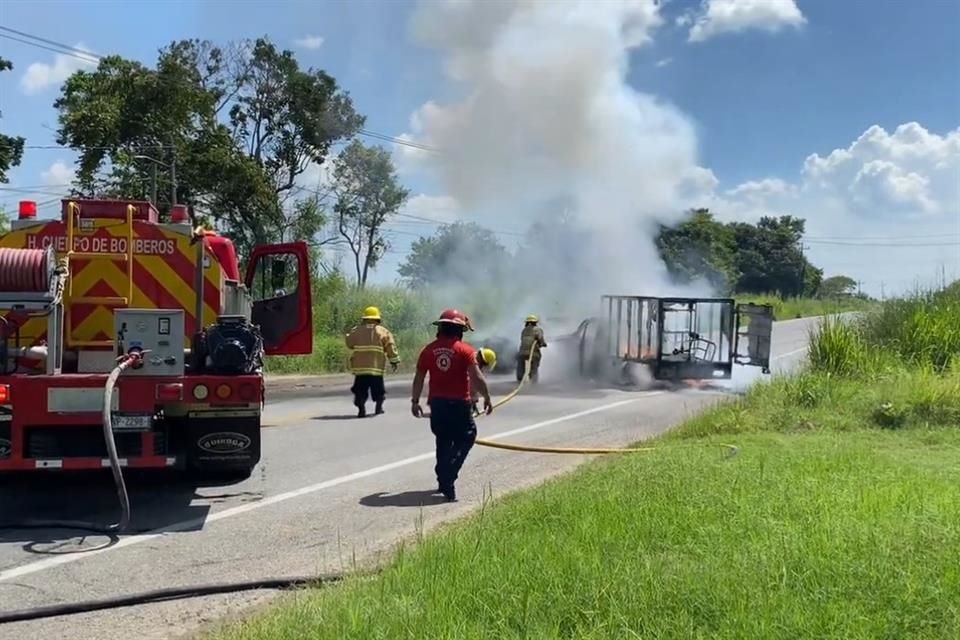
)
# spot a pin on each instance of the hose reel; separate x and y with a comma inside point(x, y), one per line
point(28, 270)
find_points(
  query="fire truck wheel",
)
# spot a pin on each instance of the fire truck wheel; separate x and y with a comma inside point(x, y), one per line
point(223, 476)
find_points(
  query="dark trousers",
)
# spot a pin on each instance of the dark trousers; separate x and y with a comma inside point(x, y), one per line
point(522, 367)
point(364, 384)
point(452, 424)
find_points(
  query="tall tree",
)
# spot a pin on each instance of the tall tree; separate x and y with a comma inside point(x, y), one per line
point(4, 221)
point(751, 258)
point(770, 259)
point(700, 247)
point(837, 286)
point(462, 252)
point(368, 194)
point(11, 147)
point(240, 122)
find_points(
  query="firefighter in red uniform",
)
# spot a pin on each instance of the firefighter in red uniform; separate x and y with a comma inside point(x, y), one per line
point(452, 364)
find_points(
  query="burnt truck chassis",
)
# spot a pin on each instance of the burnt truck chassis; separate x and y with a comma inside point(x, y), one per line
point(675, 338)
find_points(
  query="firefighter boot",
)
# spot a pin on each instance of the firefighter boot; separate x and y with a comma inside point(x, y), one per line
point(379, 408)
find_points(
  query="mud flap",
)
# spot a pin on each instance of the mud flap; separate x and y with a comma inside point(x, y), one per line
point(754, 335)
point(223, 445)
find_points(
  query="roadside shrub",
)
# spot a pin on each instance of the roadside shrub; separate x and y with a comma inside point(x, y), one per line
point(838, 348)
point(922, 329)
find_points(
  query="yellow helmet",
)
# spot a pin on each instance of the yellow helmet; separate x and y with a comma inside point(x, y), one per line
point(532, 318)
point(487, 358)
point(370, 313)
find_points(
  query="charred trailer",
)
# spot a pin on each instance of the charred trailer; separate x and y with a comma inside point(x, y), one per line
point(676, 338)
point(108, 280)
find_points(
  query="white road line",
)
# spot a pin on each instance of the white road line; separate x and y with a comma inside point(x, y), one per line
point(789, 353)
point(49, 563)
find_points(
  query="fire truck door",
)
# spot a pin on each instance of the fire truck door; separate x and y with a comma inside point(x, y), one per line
point(754, 335)
point(278, 278)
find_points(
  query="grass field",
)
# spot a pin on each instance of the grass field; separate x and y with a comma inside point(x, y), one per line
point(409, 316)
point(838, 518)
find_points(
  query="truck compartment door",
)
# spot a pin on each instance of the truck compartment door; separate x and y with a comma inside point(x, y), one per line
point(754, 335)
point(278, 278)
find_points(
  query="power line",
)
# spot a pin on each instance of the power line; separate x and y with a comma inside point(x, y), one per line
point(891, 238)
point(884, 244)
point(67, 48)
point(35, 44)
point(89, 56)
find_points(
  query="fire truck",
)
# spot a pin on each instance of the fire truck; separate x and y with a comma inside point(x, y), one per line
point(127, 341)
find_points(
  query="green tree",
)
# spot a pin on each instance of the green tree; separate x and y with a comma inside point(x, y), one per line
point(11, 147)
point(4, 221)
point(769, 258)
point(835, 286)
point(230, 129)
point(368, 194)
point(700, 247)
point(453, 254)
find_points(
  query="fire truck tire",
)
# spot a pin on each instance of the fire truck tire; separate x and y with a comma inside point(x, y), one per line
point(223, 476)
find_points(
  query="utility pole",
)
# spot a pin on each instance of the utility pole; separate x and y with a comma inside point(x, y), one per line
point(803, 271)
point(882, 292)
point(173, 175)
point(153, 183)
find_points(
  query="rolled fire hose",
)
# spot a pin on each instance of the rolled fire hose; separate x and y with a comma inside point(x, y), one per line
point(24, 270)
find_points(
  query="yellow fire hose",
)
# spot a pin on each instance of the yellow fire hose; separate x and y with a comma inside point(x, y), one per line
point(570, 450)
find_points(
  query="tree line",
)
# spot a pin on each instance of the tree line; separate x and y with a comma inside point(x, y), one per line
point(734, 258)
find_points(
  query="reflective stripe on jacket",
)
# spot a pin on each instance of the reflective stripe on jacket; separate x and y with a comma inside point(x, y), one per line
point(371, 346)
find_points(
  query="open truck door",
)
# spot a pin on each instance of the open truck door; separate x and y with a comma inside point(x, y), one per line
point(754, 335)
point(278, 279)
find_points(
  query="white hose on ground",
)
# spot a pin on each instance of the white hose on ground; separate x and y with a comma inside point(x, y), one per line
point(111, 442)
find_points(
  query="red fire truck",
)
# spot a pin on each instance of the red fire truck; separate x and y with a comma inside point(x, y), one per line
point(129, 342)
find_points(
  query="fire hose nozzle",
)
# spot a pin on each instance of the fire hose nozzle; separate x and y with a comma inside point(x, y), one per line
point(134, 356)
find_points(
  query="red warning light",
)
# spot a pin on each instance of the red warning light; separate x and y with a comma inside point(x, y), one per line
point(28, 209)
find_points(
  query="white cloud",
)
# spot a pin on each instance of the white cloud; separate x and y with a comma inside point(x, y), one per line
point(733, 16)
point(442, 209)
point(309, 42)
point(664, 62)
point(59, 174)
point(885, 209)
point(905, 174)
point(41, 76)
point(762, 189)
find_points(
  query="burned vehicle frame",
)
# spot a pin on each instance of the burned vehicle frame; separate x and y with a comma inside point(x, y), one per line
point(676, 338)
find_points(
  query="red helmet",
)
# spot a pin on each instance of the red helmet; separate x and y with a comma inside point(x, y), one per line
point(454, 316)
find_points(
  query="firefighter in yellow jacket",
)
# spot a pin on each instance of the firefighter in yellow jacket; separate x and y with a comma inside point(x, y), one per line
point(371, 345)
point(532, 341)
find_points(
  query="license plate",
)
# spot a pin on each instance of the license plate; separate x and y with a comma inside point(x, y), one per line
point(131, 422)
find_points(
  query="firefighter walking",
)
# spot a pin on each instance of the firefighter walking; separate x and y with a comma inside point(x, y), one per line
point(452, 366)
point(371, 345)
point(532, 341)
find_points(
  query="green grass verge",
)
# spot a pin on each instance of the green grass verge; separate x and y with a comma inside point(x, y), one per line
point(839, 518)
point(791, 308)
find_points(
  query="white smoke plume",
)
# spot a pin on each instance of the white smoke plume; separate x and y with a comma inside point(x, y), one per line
point(546, 127)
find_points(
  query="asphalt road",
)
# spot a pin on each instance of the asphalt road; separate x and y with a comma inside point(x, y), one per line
point(331, 490)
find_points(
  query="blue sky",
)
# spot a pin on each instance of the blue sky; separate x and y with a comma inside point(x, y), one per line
point(763, 89)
